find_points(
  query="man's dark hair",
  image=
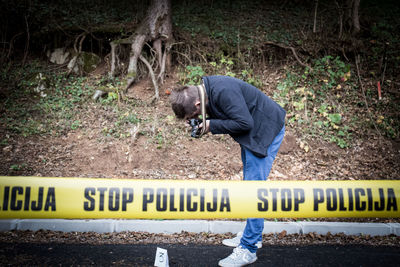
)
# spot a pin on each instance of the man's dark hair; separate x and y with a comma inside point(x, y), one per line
point(183, 100)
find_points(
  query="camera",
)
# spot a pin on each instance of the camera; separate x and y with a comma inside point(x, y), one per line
point(196, 131)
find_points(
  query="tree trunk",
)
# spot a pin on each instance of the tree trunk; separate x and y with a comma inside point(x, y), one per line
point(356, 19)
point(315, 16)
point(340, 19)
point(352, 15)
point(348, 6)
point(156, 28)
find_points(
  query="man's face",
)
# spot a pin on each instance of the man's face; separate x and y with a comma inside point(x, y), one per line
point(196, 113)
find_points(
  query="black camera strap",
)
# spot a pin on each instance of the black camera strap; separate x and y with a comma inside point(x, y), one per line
point(202, 94)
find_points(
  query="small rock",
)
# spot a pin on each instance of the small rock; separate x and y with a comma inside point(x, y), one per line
point(282, 234)
point(7, 149)
point(58, 56)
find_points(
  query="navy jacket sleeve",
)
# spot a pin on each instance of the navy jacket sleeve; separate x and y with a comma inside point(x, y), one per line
point(233, 105)
point(241, 110)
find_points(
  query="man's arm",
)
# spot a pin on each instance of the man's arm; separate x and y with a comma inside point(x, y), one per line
point(238, 118)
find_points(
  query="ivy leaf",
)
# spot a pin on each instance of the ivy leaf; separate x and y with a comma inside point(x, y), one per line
point(335, 118)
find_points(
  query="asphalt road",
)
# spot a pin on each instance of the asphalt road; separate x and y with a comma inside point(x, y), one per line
point(23, 254)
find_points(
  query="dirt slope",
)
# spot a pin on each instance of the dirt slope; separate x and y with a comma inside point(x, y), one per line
point(84, 153)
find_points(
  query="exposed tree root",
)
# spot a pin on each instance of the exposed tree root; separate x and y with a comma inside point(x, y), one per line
point(156, 28)
point(81, 37)
point(153, 77)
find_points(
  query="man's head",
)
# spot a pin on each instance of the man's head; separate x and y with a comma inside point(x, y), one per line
point(185, 102)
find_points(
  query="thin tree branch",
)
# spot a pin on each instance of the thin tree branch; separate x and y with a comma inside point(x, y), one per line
point(12, 44)
point(27, 42)
point(293, 51)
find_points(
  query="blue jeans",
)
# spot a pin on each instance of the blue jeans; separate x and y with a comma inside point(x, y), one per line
point(255, 168)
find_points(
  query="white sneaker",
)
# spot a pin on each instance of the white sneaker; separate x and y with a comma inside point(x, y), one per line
point(239, 257)
point(234, 242)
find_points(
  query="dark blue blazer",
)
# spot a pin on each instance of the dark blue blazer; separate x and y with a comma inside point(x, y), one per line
point(244, 112)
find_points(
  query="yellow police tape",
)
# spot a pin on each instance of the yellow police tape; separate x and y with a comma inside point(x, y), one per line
point(69, 198)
